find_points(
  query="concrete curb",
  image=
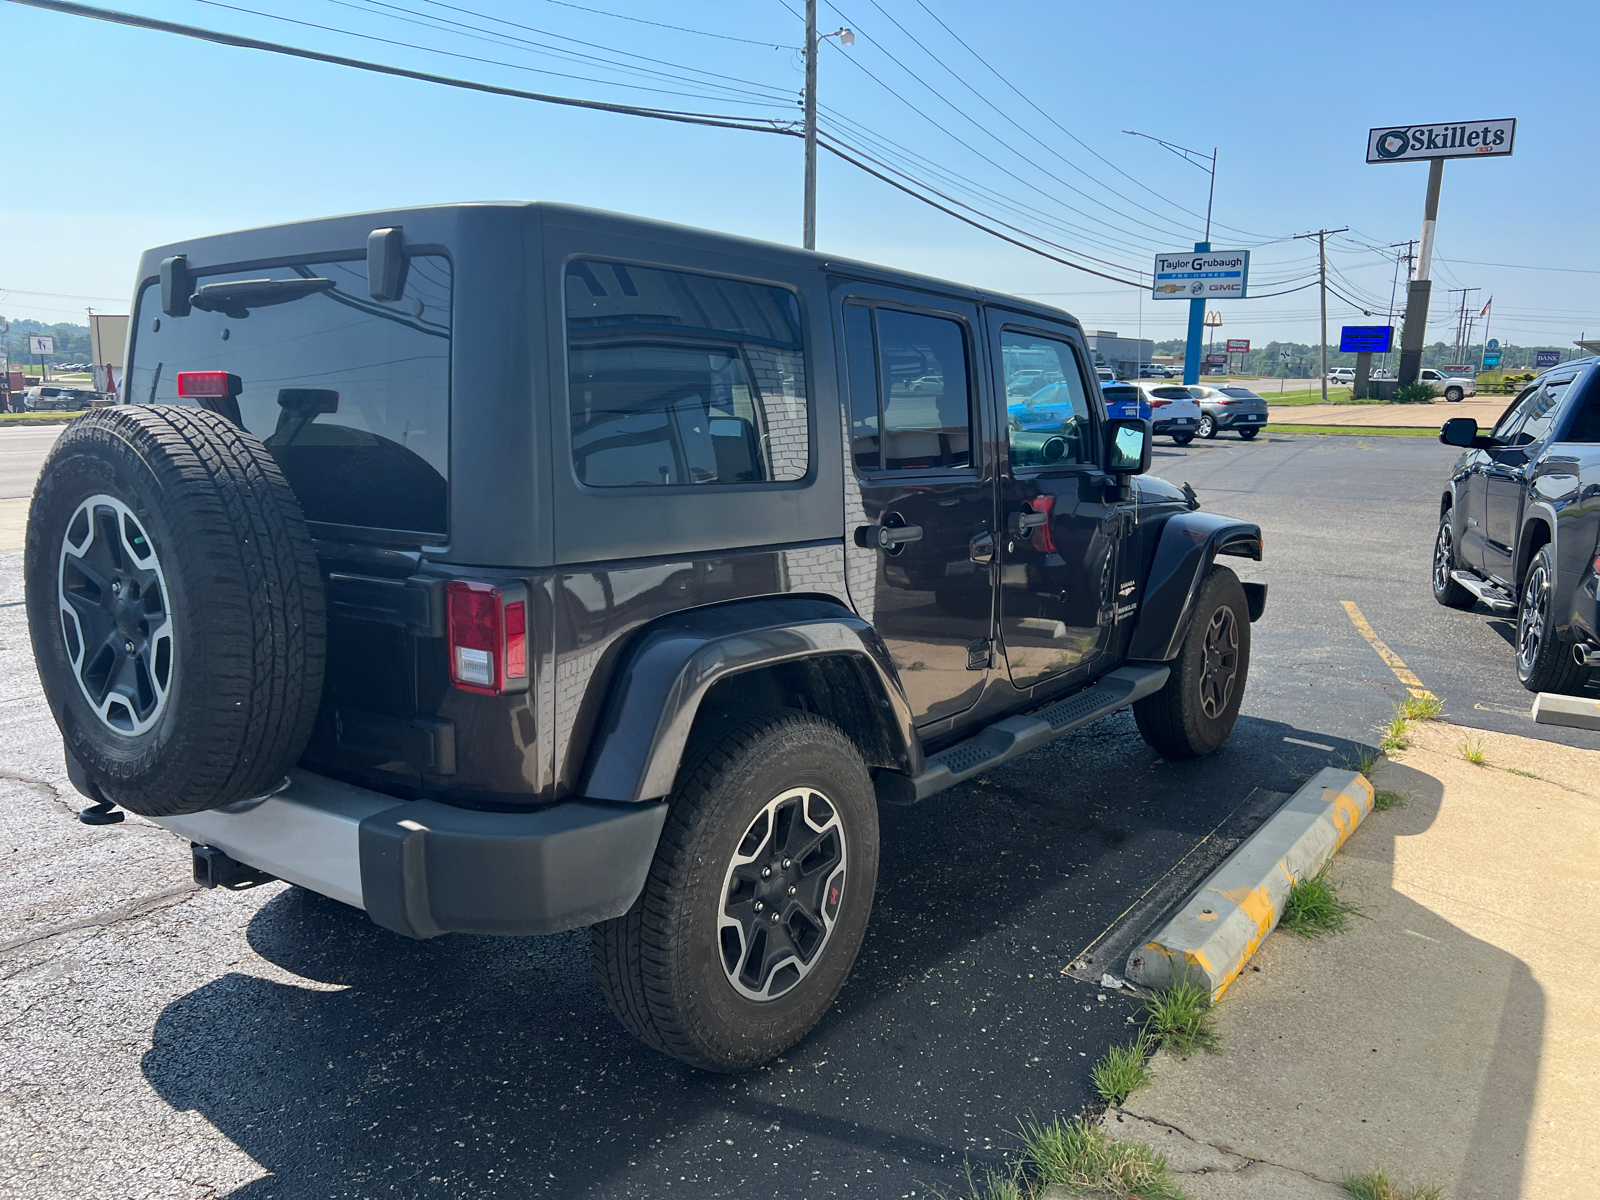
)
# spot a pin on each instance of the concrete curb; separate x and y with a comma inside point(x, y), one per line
point(1579, 712)
point(1217, 930)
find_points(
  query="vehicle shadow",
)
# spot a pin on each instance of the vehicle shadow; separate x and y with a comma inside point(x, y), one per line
point(354, 1061)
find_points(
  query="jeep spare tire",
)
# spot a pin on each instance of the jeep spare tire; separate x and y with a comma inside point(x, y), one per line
point(175, 608)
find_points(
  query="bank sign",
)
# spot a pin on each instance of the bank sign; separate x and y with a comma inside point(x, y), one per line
point(1202, 275)
point(1466, 139)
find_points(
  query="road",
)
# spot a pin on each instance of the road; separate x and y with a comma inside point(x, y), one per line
point(170, 1042)
point(22, 451)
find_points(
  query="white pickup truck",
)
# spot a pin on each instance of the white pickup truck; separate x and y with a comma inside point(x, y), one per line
point(1451, 387)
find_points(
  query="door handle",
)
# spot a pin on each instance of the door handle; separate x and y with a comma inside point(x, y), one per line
point(886, 537)
point(980, 549)
point(1019, 523)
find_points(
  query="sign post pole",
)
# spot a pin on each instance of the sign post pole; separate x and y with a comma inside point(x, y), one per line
point(1363, 373)
point(1197, 326)
point(1421, 290)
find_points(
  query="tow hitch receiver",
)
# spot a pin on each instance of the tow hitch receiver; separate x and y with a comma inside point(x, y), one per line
point(213, 868)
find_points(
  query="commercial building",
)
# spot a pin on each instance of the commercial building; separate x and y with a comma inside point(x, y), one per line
point(1122, 354)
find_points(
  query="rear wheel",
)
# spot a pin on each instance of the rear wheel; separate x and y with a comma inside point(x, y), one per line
point(1207, 427)
point(1183, 439)
point(1544, 657)
point(1247, 434)
point(1195, 711)
point(758, 899)
point(1445, 589)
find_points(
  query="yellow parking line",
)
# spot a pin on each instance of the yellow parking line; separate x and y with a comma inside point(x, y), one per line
point(1396, 664)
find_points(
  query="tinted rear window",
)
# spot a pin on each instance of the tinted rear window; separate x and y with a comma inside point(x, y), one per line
point(1171, 393)
point(1239, 393)
point(351, 394)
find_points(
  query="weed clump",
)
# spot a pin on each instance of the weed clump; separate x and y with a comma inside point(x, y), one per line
point(1314, 908)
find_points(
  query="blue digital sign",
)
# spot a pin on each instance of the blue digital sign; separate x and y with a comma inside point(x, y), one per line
point(1366, 339)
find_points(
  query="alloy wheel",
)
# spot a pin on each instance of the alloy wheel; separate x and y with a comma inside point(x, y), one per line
point(1530, 621)
point(1221, 669)
point(781, 894)
point(115, 617)
point(1443, 555)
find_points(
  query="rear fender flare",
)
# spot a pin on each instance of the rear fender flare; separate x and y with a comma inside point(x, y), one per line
point(666, 672)
point(1188, 545)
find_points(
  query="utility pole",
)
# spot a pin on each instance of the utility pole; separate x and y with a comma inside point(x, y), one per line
point(1461, 322)
point(810, 230)
point(1322, 267)
point(813, 41)
point(1394, 284)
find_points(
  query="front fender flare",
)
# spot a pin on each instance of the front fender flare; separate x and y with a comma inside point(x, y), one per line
point(671, 665)
point(1188, 545)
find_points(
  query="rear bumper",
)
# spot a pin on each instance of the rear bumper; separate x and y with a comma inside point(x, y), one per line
point(1226, 418)
point(422, 868)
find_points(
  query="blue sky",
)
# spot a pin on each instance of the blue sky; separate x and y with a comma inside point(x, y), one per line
point(1015, 104)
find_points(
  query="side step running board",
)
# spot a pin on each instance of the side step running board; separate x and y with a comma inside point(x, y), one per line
point(1017, 735)
point(1499, 603)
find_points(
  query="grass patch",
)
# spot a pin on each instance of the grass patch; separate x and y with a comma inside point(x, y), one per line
point(1314, 908)
point(1080, 1157)
point(1354, 430)
point(1524, 774)
point(1384, 801)
point(1366, 760)
point(1419, 708)
point(1376, 1185)
point(44, 418)
point(1180, 1016)
point(1123, 1071)
point(996, 1185)
point(1394, 735)
point(1472, 751)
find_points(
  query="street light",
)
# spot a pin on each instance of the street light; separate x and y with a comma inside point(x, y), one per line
point(1197, 306)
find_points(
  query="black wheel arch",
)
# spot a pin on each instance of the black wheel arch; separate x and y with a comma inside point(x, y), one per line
point(1186, 548)
point(684, 671)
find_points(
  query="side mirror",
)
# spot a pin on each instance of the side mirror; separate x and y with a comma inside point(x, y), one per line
point(1459, 431)
point(1127, 447)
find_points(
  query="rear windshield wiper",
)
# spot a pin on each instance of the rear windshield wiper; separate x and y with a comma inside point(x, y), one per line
point(237, 297)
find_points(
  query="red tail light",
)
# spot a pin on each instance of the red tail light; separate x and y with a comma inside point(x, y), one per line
point(1159, 403)
point(1043, 540)
point(207, 385)
point(488, 638)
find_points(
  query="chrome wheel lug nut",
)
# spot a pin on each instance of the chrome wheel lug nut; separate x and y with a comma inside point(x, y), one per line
point(774, 918)
point(759, 906)
point(766, 872)
point(116, 588)
point(792, 889)
point(128, 646)
point(787, 863)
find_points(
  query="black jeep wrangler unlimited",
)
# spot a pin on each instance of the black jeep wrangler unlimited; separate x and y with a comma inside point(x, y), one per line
point(509, 568)
point(1519, 524)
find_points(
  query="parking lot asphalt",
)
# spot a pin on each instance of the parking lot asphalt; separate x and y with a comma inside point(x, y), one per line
point(165, 1041)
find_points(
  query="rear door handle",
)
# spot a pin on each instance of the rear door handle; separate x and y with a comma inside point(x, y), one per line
point(887, 537)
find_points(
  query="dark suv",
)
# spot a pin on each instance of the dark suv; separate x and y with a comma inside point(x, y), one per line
point(509, 568)
point(1519, 524)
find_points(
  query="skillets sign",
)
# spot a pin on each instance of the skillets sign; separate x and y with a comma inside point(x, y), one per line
point(1466, 139)
point(1202, 275)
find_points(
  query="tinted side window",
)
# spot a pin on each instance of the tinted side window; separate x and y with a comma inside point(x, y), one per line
point(351, 394)
point(1513, 415)
point(861, 361)
point(1542, 411)
point(926, 390)
point(1051, 425)
point(682, 379)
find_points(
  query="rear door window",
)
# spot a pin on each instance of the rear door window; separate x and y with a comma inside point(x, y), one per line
point(350, 394)
point(910, 390)
point(680, 379)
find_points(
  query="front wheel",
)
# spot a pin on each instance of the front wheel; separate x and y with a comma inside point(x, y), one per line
point(1182, 439)
point(1544, 657)
point(1207, 427)
point(1445, 589)
point(1195, 711)
point(1247, 434)
point(1453, 395)
point(758, 898)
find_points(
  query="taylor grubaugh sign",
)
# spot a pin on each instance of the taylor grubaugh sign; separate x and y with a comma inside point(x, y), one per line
point(1202, 275)
point(1470, 139)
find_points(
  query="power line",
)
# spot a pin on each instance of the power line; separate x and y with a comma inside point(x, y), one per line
point(663, 25)
point(748, 124)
